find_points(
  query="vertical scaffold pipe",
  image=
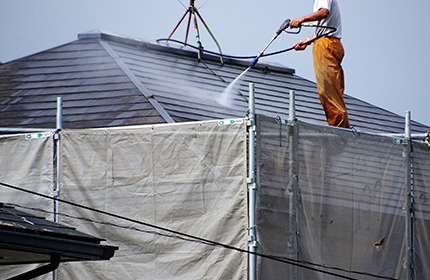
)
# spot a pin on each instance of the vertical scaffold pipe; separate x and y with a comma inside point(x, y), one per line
point(293, 178)
point(59, 126)
point(252, 186)
point(410, 215)
point(57, 156)
point(59, 112)
point(292, 110)
point(408, 124)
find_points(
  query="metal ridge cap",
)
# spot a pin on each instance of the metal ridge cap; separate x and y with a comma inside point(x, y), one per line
point(184, 51)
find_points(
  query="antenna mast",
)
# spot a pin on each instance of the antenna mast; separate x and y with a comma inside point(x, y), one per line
point(193, 13)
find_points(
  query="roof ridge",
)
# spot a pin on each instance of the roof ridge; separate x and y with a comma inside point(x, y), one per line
point(139, 42)
point(151, 98)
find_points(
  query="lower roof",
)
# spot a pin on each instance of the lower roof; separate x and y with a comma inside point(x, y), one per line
point(25, 238)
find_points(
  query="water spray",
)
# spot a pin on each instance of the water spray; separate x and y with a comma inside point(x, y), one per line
point(226, 97)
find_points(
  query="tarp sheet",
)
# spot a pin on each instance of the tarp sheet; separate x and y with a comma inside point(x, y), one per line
point(334, 200)
point(189, 178)
point(26, 162)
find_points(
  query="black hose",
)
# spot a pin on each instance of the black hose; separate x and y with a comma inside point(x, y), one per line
point(219, 54)
point(332, 30)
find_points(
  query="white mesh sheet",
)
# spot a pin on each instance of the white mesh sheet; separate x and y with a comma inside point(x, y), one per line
point(421, 183)
point(335, 199)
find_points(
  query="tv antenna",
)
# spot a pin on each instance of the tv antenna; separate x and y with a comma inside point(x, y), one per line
point(193, 14)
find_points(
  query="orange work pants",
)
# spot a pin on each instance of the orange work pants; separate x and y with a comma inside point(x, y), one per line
point(328, 54)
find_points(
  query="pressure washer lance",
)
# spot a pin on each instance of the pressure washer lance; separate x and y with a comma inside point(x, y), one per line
point(284, 26)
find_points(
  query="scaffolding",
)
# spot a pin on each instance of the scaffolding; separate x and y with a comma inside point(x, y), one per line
point(279, 198)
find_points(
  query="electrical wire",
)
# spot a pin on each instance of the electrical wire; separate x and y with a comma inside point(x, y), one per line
point(193, 238)
point(182, 4)
point(203, 4)
point(171, 236)
point(100, 223)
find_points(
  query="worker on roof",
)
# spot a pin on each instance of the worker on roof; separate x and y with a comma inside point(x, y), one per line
point(328, 53)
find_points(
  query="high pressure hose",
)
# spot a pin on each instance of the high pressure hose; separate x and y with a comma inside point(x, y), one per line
point(284, 26)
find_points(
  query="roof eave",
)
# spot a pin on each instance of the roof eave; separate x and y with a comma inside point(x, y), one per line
point(70, 250)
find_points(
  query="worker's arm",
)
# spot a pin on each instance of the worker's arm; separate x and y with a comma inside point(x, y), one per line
point(296, 22)
point(315, 16)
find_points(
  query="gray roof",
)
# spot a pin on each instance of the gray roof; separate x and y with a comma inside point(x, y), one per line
point(108, 80)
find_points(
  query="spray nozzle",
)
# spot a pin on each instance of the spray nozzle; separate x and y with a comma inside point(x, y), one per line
point(253, 62)
point(284, 26)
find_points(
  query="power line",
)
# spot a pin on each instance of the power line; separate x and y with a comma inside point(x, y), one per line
point(182, 4)
point(102, 223)
point(193, 238)
point(203, 4)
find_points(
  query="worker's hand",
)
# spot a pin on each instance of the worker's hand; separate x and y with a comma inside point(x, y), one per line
point(301, 45)
point(296, 22)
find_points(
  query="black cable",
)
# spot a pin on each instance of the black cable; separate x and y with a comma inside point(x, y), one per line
point(207, 241)
point(101, 223)
point(175, 237)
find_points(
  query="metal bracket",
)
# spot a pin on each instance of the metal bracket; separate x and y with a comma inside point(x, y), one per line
point(252, 185)
point(252, 242)
point(250, 123)
point(281, 121)
point(401, 141)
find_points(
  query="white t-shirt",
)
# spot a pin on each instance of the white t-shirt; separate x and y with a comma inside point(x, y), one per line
point(332, 20)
